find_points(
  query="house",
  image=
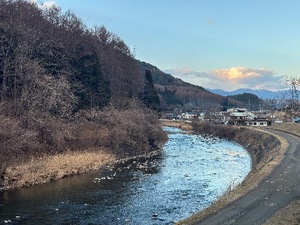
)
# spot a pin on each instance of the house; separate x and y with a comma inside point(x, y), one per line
point(190, 115)
point(240, 116)
point(169, 116)
point(259, 123)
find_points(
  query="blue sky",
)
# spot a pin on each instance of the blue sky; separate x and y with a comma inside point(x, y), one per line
point(225, 44)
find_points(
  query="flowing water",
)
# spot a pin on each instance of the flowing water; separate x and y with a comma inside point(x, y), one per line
point(190, 175)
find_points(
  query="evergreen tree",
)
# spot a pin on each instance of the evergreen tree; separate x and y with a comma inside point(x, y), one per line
point(93, 91)
point(150, 96)
point(224, 104)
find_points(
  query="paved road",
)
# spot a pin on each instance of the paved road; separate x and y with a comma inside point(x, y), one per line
point(275, 192)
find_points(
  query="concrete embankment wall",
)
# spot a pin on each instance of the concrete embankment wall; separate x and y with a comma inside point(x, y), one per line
point(261, 145)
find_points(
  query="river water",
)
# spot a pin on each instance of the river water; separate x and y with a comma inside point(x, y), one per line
point(190, 175)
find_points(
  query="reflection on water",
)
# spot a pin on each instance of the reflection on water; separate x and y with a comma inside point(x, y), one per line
point(191, 173)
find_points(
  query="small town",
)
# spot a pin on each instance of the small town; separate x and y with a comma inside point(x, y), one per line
point(234, 116)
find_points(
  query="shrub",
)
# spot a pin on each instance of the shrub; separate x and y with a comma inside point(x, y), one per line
point(131, 131)
point(122, 132)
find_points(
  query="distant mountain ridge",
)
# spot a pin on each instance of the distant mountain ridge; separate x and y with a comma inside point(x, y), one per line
point(261, 93)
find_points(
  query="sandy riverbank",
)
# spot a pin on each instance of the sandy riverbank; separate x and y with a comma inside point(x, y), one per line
point(179, 124)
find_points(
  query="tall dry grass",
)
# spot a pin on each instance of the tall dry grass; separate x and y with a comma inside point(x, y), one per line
point(38, 148)
point(44, 169)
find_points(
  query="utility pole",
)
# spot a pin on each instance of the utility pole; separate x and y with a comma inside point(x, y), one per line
point(249, 104)
point(295, 99)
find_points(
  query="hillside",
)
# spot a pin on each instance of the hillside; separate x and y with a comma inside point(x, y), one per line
point(251, 101)
point(65, 88)
point(175, 93)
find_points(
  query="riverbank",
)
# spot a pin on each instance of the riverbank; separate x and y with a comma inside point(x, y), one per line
point(179, 124)
point(262, 164)
point(287, 215)
point(36, 151)
point(48, 168)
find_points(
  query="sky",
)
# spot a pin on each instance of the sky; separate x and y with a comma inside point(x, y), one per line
point(217, 44)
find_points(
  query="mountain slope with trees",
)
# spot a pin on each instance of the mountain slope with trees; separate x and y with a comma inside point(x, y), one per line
point(251, 101)
point(175, 93)
point(65, 87)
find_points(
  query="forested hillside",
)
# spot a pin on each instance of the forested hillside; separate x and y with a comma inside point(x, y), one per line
point(45, 48)
point(64, 86)
point(175, 93)
point(251, 101)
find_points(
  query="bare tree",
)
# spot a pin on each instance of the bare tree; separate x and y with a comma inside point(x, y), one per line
point(291, 103)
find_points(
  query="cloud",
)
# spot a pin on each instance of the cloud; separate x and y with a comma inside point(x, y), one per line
point(240, 73)
point(44, 5)
point(231, 78)
point(49, 4)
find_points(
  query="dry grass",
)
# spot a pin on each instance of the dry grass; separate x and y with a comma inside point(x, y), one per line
point(37, 149)
point(47, 168)
point(292, 128)
point(178, 124)
point(289, 215)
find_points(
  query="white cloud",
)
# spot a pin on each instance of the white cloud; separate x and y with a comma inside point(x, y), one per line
point(44, 5)
point(240, 73)
point(49, 4)
point(231, 78)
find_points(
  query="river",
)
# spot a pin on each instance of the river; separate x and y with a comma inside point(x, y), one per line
point(192, 172)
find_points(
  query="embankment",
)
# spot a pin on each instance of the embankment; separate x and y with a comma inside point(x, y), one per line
point(266, 150)
point(262, 146)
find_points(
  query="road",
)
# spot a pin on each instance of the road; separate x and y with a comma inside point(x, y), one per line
point(275, 192)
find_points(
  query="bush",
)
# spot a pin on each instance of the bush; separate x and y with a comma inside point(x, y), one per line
point(207, 128)
point(128, 132)
point(131, 131)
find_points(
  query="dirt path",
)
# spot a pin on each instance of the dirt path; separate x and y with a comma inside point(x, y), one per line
point(274, 193)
